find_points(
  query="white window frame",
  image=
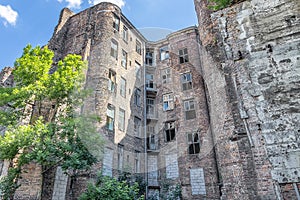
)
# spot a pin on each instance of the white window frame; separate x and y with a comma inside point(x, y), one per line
point(125, 33)
point(124, 59)
point(166, 75)
point(110, 117)
point(164, 53)
point(168, 102)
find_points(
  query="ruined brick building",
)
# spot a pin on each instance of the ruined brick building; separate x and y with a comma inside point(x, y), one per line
point(213, 109)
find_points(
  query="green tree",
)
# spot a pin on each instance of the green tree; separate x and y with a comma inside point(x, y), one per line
point(107, 188)
point(54, 134)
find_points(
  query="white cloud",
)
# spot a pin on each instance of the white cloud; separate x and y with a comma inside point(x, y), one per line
point(72, 3)
point(119, 3)
point(8, 14)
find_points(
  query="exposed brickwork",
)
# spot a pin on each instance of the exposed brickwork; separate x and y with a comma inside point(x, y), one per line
point(249, 62)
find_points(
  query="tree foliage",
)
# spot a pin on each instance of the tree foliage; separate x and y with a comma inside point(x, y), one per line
point(59, 137)
point(219, 4)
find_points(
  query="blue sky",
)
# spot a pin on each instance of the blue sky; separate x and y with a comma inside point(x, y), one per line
point(32, 22)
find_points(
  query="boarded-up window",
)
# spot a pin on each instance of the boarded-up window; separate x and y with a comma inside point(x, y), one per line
point(121, 123)
point(120, 157)
point(123, 87)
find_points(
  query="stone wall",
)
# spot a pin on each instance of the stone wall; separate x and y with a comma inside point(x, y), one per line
point(250, 62)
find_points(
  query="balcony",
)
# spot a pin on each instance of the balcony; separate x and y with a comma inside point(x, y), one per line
point(152, 115)
point(152, 144)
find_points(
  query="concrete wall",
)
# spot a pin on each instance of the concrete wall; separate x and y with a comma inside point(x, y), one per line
point(250, 62)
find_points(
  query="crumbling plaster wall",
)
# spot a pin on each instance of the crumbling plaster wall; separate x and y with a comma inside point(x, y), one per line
point(250, 57)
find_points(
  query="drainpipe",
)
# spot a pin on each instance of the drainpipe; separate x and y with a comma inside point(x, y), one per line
point(145, 124)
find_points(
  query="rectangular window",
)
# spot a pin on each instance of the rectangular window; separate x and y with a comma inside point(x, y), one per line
point(120, 157)
point(124, 59)
point(137, 126)
point(123, 87)
point(116, 22)
point(125, 34)
point(186, 81)
point(189, 109)
point(114, 49)
point(138, 47)
point(151, 139)
point(121, 119)
point(168, 102)
point(111, 80)
point(194, 143)
point(138, 71)
point(137, 161)
point(137, 97)
point(164, 53)
point(166, 75)
point(150, 109)
point(170, 131)
point(149, 81)
point(149, 57)
point(183, 56)
point(110, 117)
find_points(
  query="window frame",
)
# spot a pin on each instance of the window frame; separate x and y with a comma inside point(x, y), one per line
point(167, 78)
point(125, 34)
point(110, 120)
point(169, 101)
point(193, 143)
point(164, 53)
point(138, 46)
point(112, 81)
point(183, 56)
point(113, 50)
point(137, 126)
point(137, 97)
point(137, 159)
point(116, 25)
point(120, 157)
point(189, 109)
point(168, 131)
point(186, 83)
point(121, 120)
point(124, 59)
point(138, 71)
point(123, 84)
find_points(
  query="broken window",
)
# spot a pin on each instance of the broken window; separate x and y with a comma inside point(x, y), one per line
point(137, 97)
point(149, 57)
point(137, 126)
point(168, 102)
point(116, 22)
point(121, 123)
point(111, 80)
point(186, 81)
point(125, 34)
point(110, 117)
point(189, 109)
point(166, 75)
point(138, 47)
point(124, 59)
point(194, 143)
point(120, 157)
point(137, 161)
point(123, 87)
point(170, 131)
point(183, 56)
point(164, 53)
point(114, 49)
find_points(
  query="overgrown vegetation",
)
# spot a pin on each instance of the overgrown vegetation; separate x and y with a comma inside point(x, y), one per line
point(127, 187)
point(219, 4)
point(169, 191)
point(42, 125)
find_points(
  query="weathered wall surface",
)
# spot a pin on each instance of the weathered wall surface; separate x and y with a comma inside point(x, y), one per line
point(250, 61)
